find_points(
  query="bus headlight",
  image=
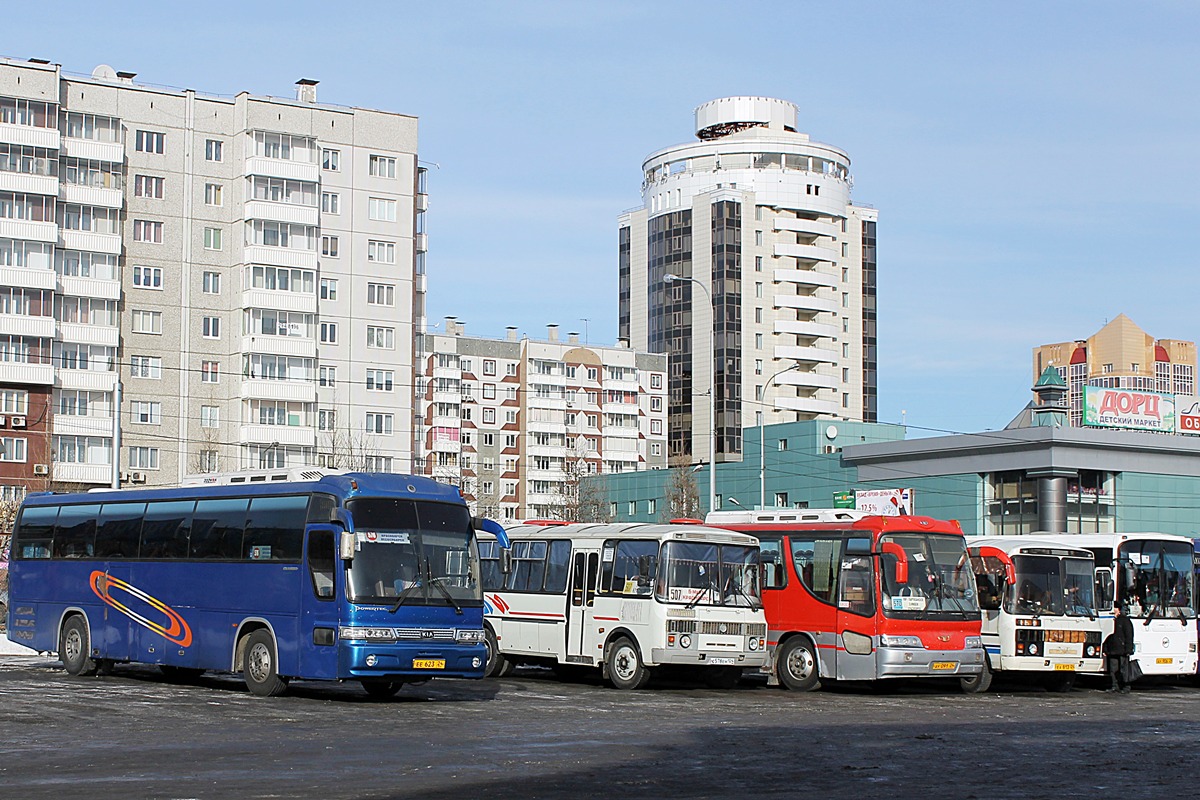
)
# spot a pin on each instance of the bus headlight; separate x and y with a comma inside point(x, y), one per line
point(900, 641)
point(468, 635)
point(973, 643)
point(371, 660)
point(1033, 648)
point(685, 640)
point(1091, 650)
point(753, 644)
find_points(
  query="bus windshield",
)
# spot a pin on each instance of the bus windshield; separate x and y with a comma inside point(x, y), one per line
point(709, 574)
point(939, 577)
point(1048, 584)
point(410, 553)
point(1155, 578)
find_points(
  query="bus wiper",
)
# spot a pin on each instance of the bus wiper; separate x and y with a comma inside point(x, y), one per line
point(712, 587)
point(403, 596)
point(437, 583)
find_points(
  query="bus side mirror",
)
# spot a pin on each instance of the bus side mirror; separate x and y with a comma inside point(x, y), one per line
point(346, 545)
point(505, 560)
point(894, 549)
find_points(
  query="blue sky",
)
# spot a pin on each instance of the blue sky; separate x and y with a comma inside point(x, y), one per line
point(1034, 164)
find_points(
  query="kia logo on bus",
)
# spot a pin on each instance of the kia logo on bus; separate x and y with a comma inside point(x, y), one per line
point(426, 634)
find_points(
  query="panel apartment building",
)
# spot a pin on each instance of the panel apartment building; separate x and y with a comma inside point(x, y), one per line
point(516, 423)
point(235, 279)
point(772, 298)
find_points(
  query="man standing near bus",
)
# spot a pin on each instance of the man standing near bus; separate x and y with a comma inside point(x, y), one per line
point(1118, 647)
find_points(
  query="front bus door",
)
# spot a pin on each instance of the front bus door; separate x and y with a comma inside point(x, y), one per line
point(856, 615)
point(584, 567)
point(319, 605)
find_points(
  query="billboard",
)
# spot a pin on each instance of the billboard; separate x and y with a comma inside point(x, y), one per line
point(1188, 409)
point(1128, 408)
point(885, 502)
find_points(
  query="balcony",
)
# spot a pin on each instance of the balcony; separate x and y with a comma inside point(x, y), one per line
point(293, 435)
point(111, 152)
point(90, 287)
point(808, 226)
point(808, 252)
point(91, 195)
point(83, 333)
point(281, 301)
point(87, 380)
point(799, 328)
point(28, 135)
point(277, 168)
point(805, 277)
point(283, 391)
point(808, 405)
point(36, 374)
point(29, 184)
point(65, 425)
point(817, 355)
point(280, 345)
point(83, 473)
point(91, 242)
point(23, 325)
point(812, 303)
point(283, 212)
point(280, 256)
point(28, 278)
point(25, 229)
point(807, 380)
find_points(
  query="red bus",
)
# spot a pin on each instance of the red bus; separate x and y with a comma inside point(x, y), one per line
point(855, 597)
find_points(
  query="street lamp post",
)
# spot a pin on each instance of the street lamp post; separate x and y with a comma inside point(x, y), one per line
point(762, 448)
point(712, 391)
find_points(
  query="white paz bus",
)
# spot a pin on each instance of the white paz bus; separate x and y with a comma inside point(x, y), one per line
point(626, 598)
point(1038, 607)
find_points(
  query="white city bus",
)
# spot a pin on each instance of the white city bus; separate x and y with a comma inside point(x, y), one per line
point(1151, 574)
point(1038, 607)
point(627, 598)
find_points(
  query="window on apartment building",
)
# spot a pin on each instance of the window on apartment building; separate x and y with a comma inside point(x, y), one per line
point(758, 341)
point(379, 423)
point(781, 499)
point(212, 238)
point(656, 404)
point(655, 449)
point(211, 283)
point(381, 338)
point(382, 166)
point(210, 416)
point(327, 376)
point(147, 321)
point(381, 294)
point(489, 416)
point(489, 367)
point(382, 252)
point(510, 440)
point(143, 458)
point(211, 327)
point(13, 449)
point(210, 372)
point(845, 400)
point(758, 263)
point(213, 194)
point(656, 381)
point(329, 332)
point(489, 439)
point(381, 209)
point(489, 391)
point(329, 288)
point(329, 246)
point(145, 367)
point(326, 419)
point(148, 186)
point(14, 401)
point(656, 426)
point(145, 412)
point(380, 380)
point(145, 230)
point(147, 277)
point(150, 142)
point(331, 159)
point(214, 150)
point(208, 461)
point(330, 203)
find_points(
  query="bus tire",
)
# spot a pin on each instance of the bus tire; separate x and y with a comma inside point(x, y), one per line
point(977, 684)
point(796, 665)
point(1060, 682)
point(381, 690)
point(497, 665)
point(722, 677)
point(625, 667)
point(75, 647)
point(259, 668)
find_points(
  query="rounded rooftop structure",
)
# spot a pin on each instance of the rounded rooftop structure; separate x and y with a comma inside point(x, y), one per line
point(726, 115)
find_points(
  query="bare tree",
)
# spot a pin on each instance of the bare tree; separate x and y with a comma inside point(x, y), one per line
point(682, 499)
point(581, 496)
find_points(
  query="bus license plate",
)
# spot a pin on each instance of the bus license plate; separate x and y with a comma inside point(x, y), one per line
point(1064, 667)
point(945, 665)
point(429, 663)
point(1164, 661)
point(721, 661)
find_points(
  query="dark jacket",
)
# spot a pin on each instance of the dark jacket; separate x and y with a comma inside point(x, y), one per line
point(1120, 641)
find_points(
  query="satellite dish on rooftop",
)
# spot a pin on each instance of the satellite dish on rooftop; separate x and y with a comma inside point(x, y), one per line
point(104, 73)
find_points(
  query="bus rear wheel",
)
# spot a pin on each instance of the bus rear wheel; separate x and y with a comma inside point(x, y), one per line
point(796, 665)
point(259, 667)
point(977, 684)
point(497, 665)
point(625, 667)
point(381, 690)
point(75, 646)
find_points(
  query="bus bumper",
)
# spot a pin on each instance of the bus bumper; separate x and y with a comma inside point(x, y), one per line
point(902, 662)
point(1088, 666)
point(392, 661)
point(675, 656)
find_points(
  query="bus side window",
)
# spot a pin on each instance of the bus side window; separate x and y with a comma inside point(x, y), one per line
point(275, 528)
point(1104, 589)
point(557, 566)
point(774, 575)
point(75, 533)
point(34, 532)
point(321, 507)
point(165, 529)
point(119, 530)
point(321, 563)
point(217, 529)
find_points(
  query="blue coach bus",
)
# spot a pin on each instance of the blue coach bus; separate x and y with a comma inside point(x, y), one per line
point(354, 576)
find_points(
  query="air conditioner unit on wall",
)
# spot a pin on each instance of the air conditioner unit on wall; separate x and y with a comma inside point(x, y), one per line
point(17, 422)
point(41, 469)
point(137, 477)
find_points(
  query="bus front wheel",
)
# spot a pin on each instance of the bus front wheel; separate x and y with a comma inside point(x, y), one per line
point(497, 665)
point(74, 647)
point(977, 684)
point(796, 665)
point(259, 667)
point(625, 667)
point(381, 690)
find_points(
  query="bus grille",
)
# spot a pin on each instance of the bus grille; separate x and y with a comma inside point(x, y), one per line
point(427, 634)
point(756, 629)
point(681, 626)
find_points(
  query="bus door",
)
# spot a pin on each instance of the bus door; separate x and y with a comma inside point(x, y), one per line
point(856, 618)
point(319, 592)
point(580, 628)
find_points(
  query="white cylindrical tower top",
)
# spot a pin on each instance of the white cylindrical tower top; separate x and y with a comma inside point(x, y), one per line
point(727, 115)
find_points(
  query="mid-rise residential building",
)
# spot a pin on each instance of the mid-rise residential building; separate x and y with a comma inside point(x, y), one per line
point(1119, 356)
point(234, 279)
point(750, 266)
point(516, 423)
